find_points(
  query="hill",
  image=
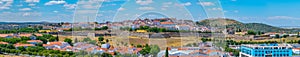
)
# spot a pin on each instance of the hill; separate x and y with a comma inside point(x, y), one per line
point(221, 22)
point(230, 23)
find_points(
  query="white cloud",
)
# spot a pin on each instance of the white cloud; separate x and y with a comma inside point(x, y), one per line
point(32, 1)
point(144, 2)
point(53, 2)
point(206, 3)
point(30, 14)
point(146, 8)
point(31, 4)
point(5, 4)
point(55, 11)
point(70, 6)
point(282, 17)
point(121, 9)
point(25, 9)
point(215, 9)
point(7, 0)
point(187, 4)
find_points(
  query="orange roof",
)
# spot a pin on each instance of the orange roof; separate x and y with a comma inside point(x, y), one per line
point(52, 43)
point(34, 41)
point(166, 23)
point(137, 50)
point(4, 35)
point(18, 44)
point(104, 49)
point(3, 43)
point(296, 48)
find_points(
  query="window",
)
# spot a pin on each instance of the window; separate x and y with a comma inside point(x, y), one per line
point(276, 48)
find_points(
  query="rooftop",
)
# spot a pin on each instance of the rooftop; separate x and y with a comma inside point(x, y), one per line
point(267, 45)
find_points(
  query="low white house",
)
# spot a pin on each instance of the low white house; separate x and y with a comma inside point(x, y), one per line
point(296, 50)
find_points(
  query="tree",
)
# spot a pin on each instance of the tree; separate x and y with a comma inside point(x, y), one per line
point(145, 50)
point(100, 39)
point(47, 36)
point(76, 40)
point(52, 39)
point(154, 49)
point(167, 52)
point(298, 36)
point(277, 36)
point(42, 39)
point(68, 41)
point(92, 42)
point(251, 32)
point(106, 55)
point(25, 38)
point(21, 48)
point(86, 39)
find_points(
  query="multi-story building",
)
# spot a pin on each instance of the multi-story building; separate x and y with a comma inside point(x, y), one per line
point(266, 50)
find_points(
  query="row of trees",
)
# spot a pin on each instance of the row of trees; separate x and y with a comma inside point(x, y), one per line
point(102, 28)
point(34, 50)
point(29, 30)
point(252, 32)
point(232, 42)
point(205, 39)
point(294, 41)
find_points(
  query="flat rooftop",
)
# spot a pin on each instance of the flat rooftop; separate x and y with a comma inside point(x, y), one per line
point(267, 45)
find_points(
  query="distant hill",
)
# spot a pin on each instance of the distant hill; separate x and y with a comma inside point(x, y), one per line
point(222, 22)
point(230, 23)
point(24, 22)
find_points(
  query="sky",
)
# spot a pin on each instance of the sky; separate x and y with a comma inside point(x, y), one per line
point(272, 12)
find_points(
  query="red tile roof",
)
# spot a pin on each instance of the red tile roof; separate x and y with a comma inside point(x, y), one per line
point(166, 23)
point(53, 43)
point(4, 35)
point(18, 45)
point(35, 41)
point(3, 43)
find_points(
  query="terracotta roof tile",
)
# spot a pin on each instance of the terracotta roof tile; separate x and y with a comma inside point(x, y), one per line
point(3, 43)
point(35, 41)
point(166, 23)
point(18, 45)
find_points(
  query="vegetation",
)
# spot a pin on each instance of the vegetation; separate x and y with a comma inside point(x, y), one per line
point(232, 42)
point(100, 38)
point(68, 41)
point(152, 49)
point(167, 52)
point(205, 39)
point(28, 30)
point(34, 50)
point(298, 35)
point(90, 41)
point(102, 28)
point(230, 23)
point(234, 51)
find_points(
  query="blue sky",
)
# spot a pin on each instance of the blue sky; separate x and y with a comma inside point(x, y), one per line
point(272, 12)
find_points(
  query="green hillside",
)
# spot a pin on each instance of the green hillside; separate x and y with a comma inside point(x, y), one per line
point(230, 23)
